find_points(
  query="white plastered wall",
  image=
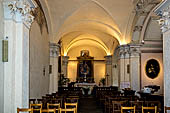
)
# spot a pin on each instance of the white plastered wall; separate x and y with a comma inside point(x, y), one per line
point(1, 63)
point(146, 80)
point(39, 60)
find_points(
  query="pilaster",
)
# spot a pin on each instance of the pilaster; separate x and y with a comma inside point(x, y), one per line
point(135, 66)
point(123, 63)
point(17, 22)
point(54, 55)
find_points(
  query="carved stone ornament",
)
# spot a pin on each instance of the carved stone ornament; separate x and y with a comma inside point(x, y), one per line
point(23, 8)
point(129, 50)
point(108, 59)
point(123, 51)
point(164, 21)
point(54, 50)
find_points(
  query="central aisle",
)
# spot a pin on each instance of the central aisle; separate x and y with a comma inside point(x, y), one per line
point(89, 105)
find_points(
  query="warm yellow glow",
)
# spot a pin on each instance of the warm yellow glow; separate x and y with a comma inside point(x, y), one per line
point(65, 53)
point(123, 42)
point(108, 53)
point(87, 39)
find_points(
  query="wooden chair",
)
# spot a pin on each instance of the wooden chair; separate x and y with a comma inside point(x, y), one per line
point(19, 110)
point(36, 107)
point(72, 99)
point(73, 105)
point(52, 106)
point(149, 108)
point(166, 109)
point(128, 108)
point(48, 110)
point(32, 101)
point(68, 110)
point(116, 105)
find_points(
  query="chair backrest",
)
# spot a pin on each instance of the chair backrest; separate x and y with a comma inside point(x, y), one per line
point(72, 99)
point(74, 105)
point(19, 110)
point(68, 110)
point(52, 106)
point(149, 108)
point(166, 109)
point(36, 107)
point(49, 110)
point(117, 105)
point(56, 106)
point(128, 108)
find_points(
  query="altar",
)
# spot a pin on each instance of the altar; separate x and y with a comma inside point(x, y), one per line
point(87, 88)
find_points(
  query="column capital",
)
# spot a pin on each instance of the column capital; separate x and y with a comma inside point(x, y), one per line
point(123, 51)
point(129, 50)
point(54, 50)
point(163, 11)
point(108, 59)
point(19, 11)
point(65, 60)
point(134, 50)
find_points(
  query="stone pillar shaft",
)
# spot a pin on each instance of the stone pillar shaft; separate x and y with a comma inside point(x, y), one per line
point(65, 65)
point(135, 66)
point(123, 62)
point(54, 55)
point(108, 73)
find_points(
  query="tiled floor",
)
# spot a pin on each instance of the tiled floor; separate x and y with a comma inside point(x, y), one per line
point(89, 105)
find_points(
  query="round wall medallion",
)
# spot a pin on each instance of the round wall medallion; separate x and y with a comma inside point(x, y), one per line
point(152, 68)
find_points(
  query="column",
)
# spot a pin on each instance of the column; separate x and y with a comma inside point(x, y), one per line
point(65, 65)
point(17, 22)
point(54, 55)
point(123, 63)
point(135, 66)
point(115, 68)
point(108, 73)
point(164, 12)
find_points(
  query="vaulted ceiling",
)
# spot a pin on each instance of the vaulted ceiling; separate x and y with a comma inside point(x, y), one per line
point(100, 23)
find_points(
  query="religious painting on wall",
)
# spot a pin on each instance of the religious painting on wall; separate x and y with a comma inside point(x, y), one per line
point(85, 67)
point(152, 68)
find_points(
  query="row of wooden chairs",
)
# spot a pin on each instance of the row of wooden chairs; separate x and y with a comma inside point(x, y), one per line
point(56, 99)
point(19, 110)
point(57, 107)
point(134, 108)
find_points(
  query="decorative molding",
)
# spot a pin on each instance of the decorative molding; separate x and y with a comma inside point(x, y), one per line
point(123, 51)
point(163, 11)
point(21, 10)
point(54, 50)
point(135, 50)
point(129, 50)
point(164, 21)
point(40, 16)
